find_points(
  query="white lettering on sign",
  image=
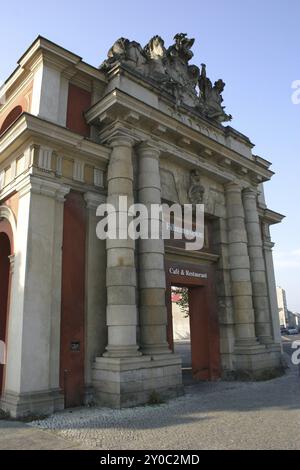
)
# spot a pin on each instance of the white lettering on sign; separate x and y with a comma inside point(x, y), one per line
point(187, 272)
point(185, 231)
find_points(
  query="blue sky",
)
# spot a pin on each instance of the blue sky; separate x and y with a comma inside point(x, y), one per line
point(254, 45)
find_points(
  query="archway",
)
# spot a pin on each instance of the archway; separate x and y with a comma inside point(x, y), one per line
point(5, 252)
point(7, 231)
point(11, 118)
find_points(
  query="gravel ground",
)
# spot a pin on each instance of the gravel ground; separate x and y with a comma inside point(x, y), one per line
point(222, 415)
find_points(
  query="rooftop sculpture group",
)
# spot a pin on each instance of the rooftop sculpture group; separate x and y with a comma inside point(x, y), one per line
point(171, 69)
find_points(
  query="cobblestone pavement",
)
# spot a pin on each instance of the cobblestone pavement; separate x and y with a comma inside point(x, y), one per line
point(261, 415)
point(19, 436)
point(222, 415)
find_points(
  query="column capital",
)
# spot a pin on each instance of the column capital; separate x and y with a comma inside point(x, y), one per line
point(93, 200)
point(250, 192)
point(233, 186)
point(268, 245)
point(44, 187)
point(148, 148)
point(121, 139)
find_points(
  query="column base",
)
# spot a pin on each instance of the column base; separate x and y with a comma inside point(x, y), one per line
point(156, 349)
point(121, 351)
point(33, 403)
point(274, 347)
point(126, 382)
point(257, 363)
point(266, 340)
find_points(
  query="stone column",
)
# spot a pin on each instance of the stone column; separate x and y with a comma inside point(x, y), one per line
point(153, 311)
point(121, 312)
point(223, 290)
point(257, 267)
point(239, 268)
point(271, 283)
point(123, 376)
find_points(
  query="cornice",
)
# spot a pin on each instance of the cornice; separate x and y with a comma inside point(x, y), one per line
point(44, 51)
point(118, 104)
point(28, 126)
point(270, 216)
point(43, 186)
point(204, 256)
point(121, 70)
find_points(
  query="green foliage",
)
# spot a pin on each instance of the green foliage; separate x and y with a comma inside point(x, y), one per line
point(183, 303)
point(155, 398)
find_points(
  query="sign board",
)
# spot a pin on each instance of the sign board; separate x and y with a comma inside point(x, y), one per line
point(186, 272)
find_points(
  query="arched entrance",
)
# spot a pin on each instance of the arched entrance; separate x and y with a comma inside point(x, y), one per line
point(5, 253)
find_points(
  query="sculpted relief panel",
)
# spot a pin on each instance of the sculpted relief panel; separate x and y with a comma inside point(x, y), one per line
point(185, 187)
point(170, 69)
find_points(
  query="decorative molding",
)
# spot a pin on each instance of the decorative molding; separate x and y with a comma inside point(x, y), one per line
point(13, 169)
point(132, 117)
point(27, 125)
point(43, 187)
point(2, 179)
point(78, 171)
point(98, 178)
point(201, 255)
point(45, 156)
point(12, 263)
point(159, 130)
point(192, 128)
point(8, 214)
point(59, 160)
point(170, 70)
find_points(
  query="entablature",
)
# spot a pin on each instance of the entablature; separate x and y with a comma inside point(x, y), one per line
point(28, 126)
point(34, 146)
point(270, 217)
point(176, 138)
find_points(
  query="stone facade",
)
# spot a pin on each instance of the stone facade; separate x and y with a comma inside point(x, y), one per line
point(149, 126)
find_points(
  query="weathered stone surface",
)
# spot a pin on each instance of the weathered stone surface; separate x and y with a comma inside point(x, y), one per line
point(171, 70)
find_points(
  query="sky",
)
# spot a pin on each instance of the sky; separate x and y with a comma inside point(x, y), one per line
point(253, 45)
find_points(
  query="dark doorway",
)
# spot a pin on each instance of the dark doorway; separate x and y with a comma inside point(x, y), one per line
point(195, 337)
point(5, 252)
point(73, 301)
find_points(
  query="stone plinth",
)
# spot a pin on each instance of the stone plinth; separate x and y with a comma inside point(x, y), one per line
point(134, 381)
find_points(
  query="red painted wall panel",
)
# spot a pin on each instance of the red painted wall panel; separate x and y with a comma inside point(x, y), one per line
point(73, 300)
point(79, 101)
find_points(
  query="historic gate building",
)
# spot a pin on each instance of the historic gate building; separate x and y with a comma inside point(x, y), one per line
point(84, 319)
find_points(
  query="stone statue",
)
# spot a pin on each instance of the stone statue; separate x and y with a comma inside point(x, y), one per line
point(170, 68)
point(205, 85)
point(184, 76)
point(196, 190)
point(126, 52)
point(156, 53)
point(182, 48)
point(211, 97)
